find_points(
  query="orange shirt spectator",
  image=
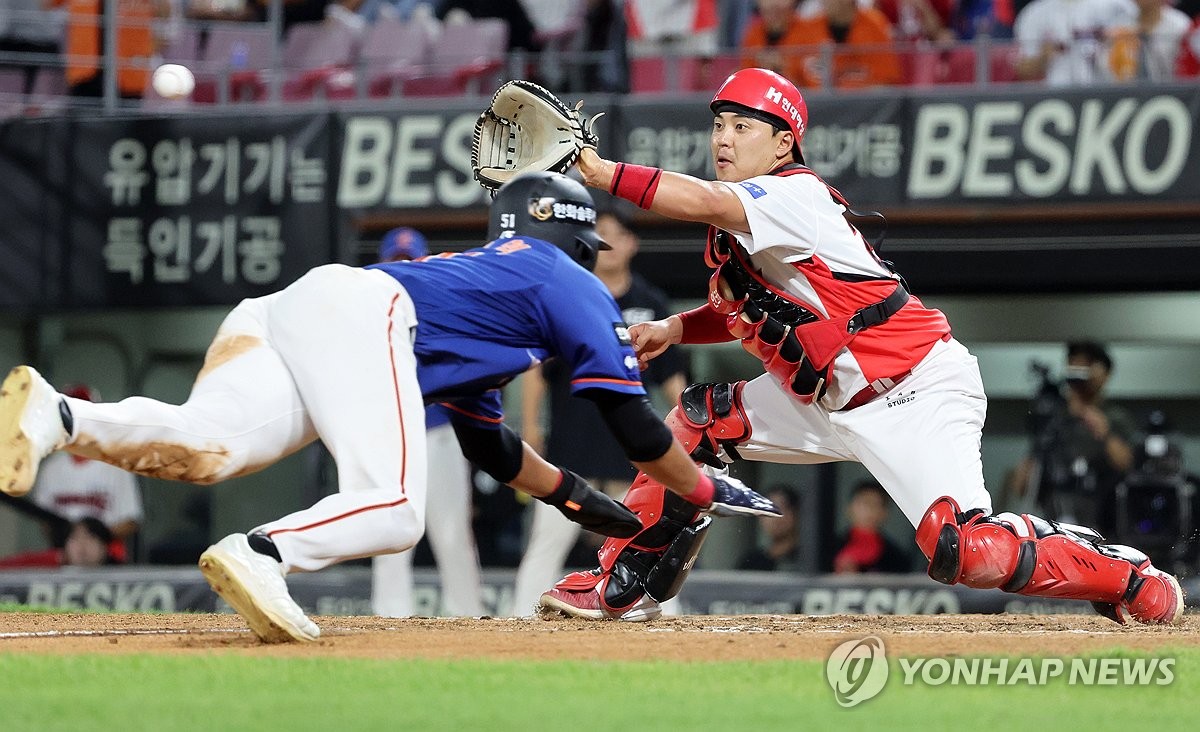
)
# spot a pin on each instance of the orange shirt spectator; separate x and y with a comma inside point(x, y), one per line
point(85, 44)
point(862, 55)
point(771, 39)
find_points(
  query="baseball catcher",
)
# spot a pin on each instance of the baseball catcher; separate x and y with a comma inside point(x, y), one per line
point(854, 368)
point(527, 128)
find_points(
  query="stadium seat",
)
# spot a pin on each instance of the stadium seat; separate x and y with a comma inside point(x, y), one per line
point(49, 93)
point(466, 58)
point(236, 53)
point(706, 74)
point(1003, 63)
point(647, 74)
point(12, 93)
point(392, 52)
point(183, 47)
point(315, 53)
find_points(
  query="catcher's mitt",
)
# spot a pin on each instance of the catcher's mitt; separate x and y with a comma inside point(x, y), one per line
point(527, 128)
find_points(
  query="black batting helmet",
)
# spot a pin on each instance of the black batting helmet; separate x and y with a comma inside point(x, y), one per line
point(551, 207)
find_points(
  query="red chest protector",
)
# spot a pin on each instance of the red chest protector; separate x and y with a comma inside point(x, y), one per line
point(790, 338)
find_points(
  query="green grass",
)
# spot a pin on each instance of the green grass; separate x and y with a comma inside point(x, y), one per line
point(226, 692)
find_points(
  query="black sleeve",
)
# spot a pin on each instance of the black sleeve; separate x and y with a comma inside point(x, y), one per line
point(496, 451)
point(632, 421)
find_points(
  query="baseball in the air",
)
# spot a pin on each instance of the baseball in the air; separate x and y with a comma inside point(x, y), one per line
point(172, 81)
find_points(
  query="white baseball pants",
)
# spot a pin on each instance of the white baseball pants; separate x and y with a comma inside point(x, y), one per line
point(921, 439)
point(330, 356)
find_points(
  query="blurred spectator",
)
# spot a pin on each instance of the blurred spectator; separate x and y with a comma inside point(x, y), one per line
point(1082, 450)
point(404, 10)
point(605, 32)
point(991, 18)
point(87, 544)
point(1149, 49)
point(780, 534)
point(294, 11)
point(578, 439)
point(447, 505)
point(772, 39)
point(855, 47)
point(684, 27)
point(229, 10)
point(1066, 42)
point(77, 488)
point(864, 547)
point(27, 26)
point(732, 21)
point(919, 20)
point(520, 27)
point(1188, 64)
point(136, 45)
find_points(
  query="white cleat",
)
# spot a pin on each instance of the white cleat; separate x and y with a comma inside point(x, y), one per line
point(31, 427)
point(253, 585)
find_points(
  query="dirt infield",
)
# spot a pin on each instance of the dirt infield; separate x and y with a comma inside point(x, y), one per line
point(693, 638)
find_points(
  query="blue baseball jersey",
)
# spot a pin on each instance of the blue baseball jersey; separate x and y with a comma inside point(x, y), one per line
point(486, 315)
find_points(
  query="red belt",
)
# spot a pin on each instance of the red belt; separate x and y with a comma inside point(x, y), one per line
point(874, 389)
point(877, 387)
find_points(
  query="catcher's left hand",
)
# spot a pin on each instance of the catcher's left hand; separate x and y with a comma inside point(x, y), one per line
point(527, 128)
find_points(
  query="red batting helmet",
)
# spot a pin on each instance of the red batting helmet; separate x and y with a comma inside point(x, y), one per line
point(768, 94)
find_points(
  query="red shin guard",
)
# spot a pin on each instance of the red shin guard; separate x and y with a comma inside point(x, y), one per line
point(1021, 554)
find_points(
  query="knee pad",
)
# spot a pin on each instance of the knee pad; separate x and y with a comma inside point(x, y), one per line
point(710, 419)
point(972, 547)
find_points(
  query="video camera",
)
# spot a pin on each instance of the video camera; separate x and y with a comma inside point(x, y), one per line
point(1155, 501)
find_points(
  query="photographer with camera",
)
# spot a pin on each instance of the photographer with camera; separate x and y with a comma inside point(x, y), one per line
point(1081, 445)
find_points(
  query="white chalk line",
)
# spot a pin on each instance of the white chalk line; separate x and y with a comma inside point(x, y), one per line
point(114, 632)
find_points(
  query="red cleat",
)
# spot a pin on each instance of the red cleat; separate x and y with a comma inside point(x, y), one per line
point(586, 604)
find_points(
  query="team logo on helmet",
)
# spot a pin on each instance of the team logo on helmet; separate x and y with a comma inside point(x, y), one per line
point(542, 209)
point(789, 109)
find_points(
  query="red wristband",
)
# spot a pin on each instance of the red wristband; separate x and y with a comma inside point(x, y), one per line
point(702, 494)
point(636, 183)
point(704, 325)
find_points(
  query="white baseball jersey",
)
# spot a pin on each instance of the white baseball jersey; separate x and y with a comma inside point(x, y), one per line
point(77, 488)
point(921, 438)
point(798, 239)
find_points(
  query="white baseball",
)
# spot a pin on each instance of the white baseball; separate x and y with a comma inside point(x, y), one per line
point(173, 81)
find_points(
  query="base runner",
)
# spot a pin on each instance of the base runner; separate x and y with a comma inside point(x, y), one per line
point(349, 355)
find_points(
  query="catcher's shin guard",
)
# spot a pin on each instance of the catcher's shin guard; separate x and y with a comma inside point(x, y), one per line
point(638, 573)
point(708, 421)
point(1031, 556)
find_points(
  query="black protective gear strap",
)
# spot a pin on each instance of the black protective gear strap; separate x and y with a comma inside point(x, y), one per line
point(591, 509)
point(497, 451)
point(668, 574)
point(632, 421)
point(873, 315)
